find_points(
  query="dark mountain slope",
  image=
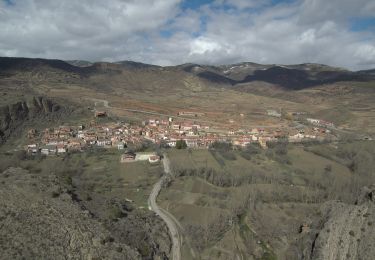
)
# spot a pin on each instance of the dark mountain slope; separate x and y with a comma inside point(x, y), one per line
point(289, 77)
point(17, 64)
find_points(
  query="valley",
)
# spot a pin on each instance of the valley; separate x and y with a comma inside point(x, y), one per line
point(266, 161)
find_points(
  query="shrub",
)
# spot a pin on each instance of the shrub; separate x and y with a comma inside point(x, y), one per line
point(181, 144)
point(223, 146)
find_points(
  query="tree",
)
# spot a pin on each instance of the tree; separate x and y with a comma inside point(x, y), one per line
point(181, 144)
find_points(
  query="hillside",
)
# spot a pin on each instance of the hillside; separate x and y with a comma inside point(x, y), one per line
point(303, 200)
point(221, 92)
point(54, 226)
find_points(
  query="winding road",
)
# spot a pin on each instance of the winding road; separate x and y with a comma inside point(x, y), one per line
point(173, 230)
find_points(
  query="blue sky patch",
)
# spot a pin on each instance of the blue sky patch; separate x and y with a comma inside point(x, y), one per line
point(9, 2)
point(362, 24)
point(194, 4)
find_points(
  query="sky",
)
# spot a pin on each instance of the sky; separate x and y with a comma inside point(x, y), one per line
point(170, 32)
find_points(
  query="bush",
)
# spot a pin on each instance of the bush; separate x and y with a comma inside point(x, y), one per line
point(20, 155)
point(181, 144)
point(228, 155)
point(253, 148)
point(222, 146)
point(250, 150)
point(116, 213)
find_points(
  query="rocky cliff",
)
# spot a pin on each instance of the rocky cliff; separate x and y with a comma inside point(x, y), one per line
point(345, 231)
point(14, 115)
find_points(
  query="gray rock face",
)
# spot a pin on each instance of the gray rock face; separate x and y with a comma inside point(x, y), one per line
point(36, 224)
point(12, 116)
point(348, 231)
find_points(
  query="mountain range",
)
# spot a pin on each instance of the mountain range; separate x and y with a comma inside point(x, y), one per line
point(296, 77)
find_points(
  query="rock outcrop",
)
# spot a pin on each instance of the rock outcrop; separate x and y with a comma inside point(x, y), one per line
point(345, 231)
point(14, 115)
point(35, 223)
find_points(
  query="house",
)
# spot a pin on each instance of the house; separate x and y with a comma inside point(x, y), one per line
point(32, 148)
point(49, 149)
point(61, 148)
point(296, 137)
point(190, 113)
point(81, 134)
point(263, 143)
point(44, 150)
point(121, 146)
point(74, 145)
point(254, 131)
point(176, 126)
point(100, 114)
point(128, 157)
point(154, 159)
point(153, 122)
point(313, 121)
point(191, 143)
point(172, 143)
point(187, 127)
point(103, 142)
point(273, 113)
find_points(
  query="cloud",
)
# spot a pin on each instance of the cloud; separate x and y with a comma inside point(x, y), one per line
point(161, 32)
point(57, 28)
point(203, 45)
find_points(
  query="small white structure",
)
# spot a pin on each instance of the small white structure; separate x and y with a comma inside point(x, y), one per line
point(49, 149)
point(313, 121)
point(172, 143)
point(154, 159)
point(121, 146)
point(61, 149)
point(273, 113)
point(32, 148)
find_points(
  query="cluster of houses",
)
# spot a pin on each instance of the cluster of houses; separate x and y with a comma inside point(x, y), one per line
point(77, 138)
point(202, 136)
point(167, 132)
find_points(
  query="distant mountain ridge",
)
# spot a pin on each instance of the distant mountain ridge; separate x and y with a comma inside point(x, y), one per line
point(292, 77)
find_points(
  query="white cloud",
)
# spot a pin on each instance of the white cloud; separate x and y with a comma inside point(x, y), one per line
point(293, 32)
point(203, 45)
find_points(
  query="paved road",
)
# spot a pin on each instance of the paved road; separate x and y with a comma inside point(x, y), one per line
point(173, 230)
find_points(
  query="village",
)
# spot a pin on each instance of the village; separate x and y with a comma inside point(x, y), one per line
point(167, 133)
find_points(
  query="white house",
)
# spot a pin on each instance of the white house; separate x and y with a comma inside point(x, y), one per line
point(172, 143)
point(61, 149)
point(121, 146)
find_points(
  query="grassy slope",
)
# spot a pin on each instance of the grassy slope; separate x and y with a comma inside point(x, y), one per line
point(279, 210)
